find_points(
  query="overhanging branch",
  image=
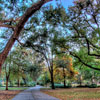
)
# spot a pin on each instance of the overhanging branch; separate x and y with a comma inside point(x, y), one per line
point(10, 20)
point(74, 55)
point(22, 44)
point(88, 47)
point(89, 43)
point(17, 30)
point(7, 26)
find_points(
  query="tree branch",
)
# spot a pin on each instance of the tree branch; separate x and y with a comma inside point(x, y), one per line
point(88, 42)
point(7, 26)
point(74, 55)
point(22, 44)
point(10, 20)
point(88, 47)
point(24, 18)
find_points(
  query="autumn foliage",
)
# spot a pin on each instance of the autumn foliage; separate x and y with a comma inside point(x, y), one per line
point(63, 68)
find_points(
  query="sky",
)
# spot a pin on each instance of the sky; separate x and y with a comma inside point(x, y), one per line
point(65, 3)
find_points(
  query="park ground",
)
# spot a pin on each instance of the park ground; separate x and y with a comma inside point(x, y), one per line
point(12, 92)
point(75, 93)
point(62, 94)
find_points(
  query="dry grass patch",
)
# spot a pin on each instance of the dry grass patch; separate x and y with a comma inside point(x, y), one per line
point(8, 95)
point(75, 93)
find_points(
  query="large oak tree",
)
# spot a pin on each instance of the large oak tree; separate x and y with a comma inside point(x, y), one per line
point(18, 23)
point(84, 26)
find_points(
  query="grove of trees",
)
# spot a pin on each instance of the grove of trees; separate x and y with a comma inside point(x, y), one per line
point(49, 43)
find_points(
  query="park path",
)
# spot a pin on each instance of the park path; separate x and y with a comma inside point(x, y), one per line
point(33, 94)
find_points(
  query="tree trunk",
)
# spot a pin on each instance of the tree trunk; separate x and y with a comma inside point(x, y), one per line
point(7, 79)
point(52, 77)
point(64, 77)
point(52, 81)
point(24, 81)
point(64, 82)
point(80, 80)
point(29, 12)
point(18, 82)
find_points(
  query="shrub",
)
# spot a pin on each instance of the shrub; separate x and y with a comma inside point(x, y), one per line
point(62, 86)
point(31, 84)
point(0, 84)
point(82, 86)
point(22, 84)
point(40, 83)
point(93, 86)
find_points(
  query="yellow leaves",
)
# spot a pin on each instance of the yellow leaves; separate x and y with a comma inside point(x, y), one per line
point(76, 72)
point(70, 59)
point(63, 66)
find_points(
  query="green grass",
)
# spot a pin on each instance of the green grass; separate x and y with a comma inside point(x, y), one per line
point(13, 88)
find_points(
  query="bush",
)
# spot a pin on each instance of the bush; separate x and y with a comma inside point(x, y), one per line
point(59, 85)
point(82, 86)
point(40, 83)
point(93, 86)
point(0, 84)
point(22, 84)
point(31, 84)
point(88, 86)
point(62, 86)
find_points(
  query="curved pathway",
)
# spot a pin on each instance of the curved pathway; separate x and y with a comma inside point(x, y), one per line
point(33, 94)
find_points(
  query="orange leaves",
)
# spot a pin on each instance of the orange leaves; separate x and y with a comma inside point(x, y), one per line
point(64, 68)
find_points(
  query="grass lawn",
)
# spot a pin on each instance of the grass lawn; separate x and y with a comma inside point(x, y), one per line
point(75, 93)
point(14, 88)
point(8, 95)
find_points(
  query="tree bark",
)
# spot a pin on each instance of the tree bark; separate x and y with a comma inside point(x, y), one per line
point(18, 82)
point(64, 76)
point(52, 78)
point(17, 30)
point(7, 79)
point(52, 81)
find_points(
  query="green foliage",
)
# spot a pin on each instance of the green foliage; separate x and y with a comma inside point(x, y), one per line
point(34, 71)
point(31, 84)
point(14, 88)
point(44, 78)
point(0, 84)
point(41, 83)
point(93, 86)
point(55, 16)
point(84, 32)
point(62, 86)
